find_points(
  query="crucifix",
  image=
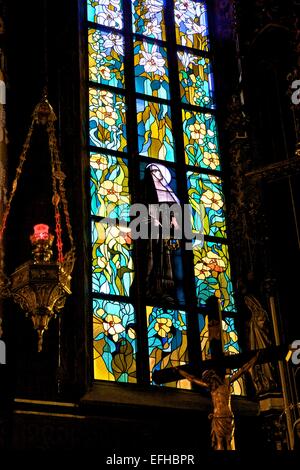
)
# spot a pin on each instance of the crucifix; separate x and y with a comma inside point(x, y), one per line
point(211, 375)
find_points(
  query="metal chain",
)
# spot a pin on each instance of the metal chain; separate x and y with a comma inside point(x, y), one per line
point(43, 113)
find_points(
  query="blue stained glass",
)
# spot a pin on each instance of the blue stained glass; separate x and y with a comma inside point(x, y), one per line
point(115, 345)
point(112, 260)
point(109, 186)
point(106, 58)
point(107, 120)
point(151, 70)
point(155, 138)
point(148, 18)
point(196, 80)
point(106, 12)
point(213, 275)
point(191, 24)
point(207, 204)
point(167, 340)
point(230, 336)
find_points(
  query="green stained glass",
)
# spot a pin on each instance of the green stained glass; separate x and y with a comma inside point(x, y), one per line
point(212, 274)
point(167, 340)
point(151, 69)
point(107, 120)
point(191, 24)
point(200, 140)
point(106, 12)
point(109, 186)
point(106, 63)
point(114, 326)
point(148, 18)
point(112, 263)
point(155, 138)
point(196, 80)
point(207, 204)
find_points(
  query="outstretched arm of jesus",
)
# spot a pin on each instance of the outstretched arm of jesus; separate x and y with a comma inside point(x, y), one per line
point(192, 378)
point(244, 369)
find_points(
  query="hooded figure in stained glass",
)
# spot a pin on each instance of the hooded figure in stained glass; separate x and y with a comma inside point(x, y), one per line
point(163, 267)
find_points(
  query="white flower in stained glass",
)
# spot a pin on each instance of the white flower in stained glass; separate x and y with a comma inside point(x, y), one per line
point(113, 326)
point(187, 59)
point(184, 10)
point(152, 28)
point(98, 162)
point(212, 200)
point(114, 41)
point(104, 72)
point(194, 28)
point(153, 61)
point(153, 6)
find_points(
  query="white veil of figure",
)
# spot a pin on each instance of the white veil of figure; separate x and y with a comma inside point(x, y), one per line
point(162, 177)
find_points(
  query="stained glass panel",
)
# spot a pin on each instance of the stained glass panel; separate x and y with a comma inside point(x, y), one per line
point(109, 186)
point(148, 18)
point(106, 63)
point(107, 120)
point(167, 340)
point(207, 204)
point(155, 138)
point(114, 326)
point(112, 261)
point(200, 140)
point(230, 336)
point(151, 69)
point(106, 12)
point(196, 80)
point(191, 24)
point(212, 274)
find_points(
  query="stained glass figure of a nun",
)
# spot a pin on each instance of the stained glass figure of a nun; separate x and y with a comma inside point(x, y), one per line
point(163, 276)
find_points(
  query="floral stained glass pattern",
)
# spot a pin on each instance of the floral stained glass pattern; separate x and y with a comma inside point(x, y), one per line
point(167, 340)
point(151, 70)
point(115, 347)
point(112, 263)
point(155, 138)
point(109, 186)
point(106, 12)
point(200, 140)
point(196, 80)
point(191, 24)
point(148, 18)
point(207, 204)
point(212, 274)
point(106, 58)
point(107, 120)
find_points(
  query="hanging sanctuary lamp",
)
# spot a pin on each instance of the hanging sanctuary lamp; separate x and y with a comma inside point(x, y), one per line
point(41, 285)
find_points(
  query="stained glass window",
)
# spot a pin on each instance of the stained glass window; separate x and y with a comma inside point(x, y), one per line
point(112, 259)
point(114, 325)
point(153, 140)
point(109, 186)
point(148, 18)
point(151, 69)
point(106, 58)
point(196, 80)
point(107, 120)
point(167, 338)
